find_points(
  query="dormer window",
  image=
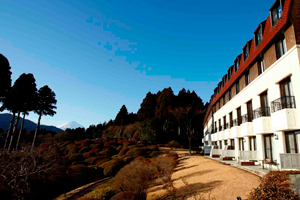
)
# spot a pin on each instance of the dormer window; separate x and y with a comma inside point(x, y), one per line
point(276, 11)
point(246, 52)
point(258, 35)
point(280, 47)
point(229, 74)
point(236, 64)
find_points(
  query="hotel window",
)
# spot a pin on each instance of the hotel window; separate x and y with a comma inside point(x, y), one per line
point(285, 87)
point(280, 48)
point(229, 94)
point(241, 144)
point(264, 104)
point(246, 52)
point(249, 111)
point(261, 65)
point(269, 144)
point(236, 64)
point(292, 141)
point(224, 100)
point(220, 143)
point(230, 120)
point(232, 143)
point(247, 77)
point(224, 122)
point(237, 87)
point(239, 115)
point(252, 141)
point(258, 35)
point(276, 12)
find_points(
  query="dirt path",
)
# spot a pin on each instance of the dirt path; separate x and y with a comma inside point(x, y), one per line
point(208, 177)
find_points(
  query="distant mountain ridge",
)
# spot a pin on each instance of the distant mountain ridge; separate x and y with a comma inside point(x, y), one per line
point(71, 125)
point(28, 125)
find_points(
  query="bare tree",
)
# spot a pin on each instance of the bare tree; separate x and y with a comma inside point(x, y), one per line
point(185, 117)
point(16, 170)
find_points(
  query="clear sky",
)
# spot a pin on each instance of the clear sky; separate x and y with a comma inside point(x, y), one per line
point(100, 54)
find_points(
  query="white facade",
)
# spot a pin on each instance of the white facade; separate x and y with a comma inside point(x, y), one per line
point(279, 121)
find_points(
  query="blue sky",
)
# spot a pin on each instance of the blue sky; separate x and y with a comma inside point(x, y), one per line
point(100, 54)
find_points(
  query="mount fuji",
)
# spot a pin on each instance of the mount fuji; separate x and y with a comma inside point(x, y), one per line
point(70, 125)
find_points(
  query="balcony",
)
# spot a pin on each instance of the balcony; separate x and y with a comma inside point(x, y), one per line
point(236, 122)
point(246, 126)
point(247, 118)
point(236, 129)
point(227, 132)
point(283, 103)
point(221, 128)
point(290, 161)
point(284, 115)
point(261, 112)
point(262, 122)
point(249, 155)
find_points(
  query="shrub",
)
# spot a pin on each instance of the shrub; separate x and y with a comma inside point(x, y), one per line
point(89, 154)
point(165, 165)
point(173, 144)
point(123, 151)
point(153, 148)
point(134, 178)
point(275, 185)
point(84, 150)
point(102, 160)
point(91, 160)
point(111, 167)
point(128, 159)
point(75, 157)
point(155, 154)
point(103, 191)
point(136, 152)
point(119, 147)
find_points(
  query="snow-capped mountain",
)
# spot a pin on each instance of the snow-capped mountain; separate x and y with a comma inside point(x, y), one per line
point(71, 125)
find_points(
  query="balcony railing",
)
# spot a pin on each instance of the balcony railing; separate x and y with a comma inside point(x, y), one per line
point(237, 122)
point(261, 112)
point(290, 160)
point(221, 128)
point(248, 155)
point(227, 126)
point(247, 118)
point(282, 103)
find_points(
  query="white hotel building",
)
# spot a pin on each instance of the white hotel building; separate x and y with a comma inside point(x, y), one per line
point(254, 113)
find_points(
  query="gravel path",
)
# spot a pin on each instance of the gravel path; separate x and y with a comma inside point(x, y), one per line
point(208, 177)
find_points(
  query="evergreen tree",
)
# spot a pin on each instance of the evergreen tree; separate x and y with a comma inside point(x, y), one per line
point(164, 100)
point(122, 116)
point(28, 100)
point(147, 109)
point(46, 102)
point(24, 90)
point(5, 77)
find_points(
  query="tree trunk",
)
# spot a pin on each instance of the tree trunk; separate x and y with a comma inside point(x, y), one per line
point(190, 145)
point(21, 129)
point(37, 129)
point(9, 128)
point(15, 127)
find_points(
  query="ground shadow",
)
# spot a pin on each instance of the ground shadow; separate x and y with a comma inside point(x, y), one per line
point(193, 174)
point(190, 190)
point(180, 167)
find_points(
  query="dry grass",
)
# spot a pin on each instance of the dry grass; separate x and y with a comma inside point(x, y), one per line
point(208, 178)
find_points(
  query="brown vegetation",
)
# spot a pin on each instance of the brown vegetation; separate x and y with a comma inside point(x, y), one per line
point(275, 185)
